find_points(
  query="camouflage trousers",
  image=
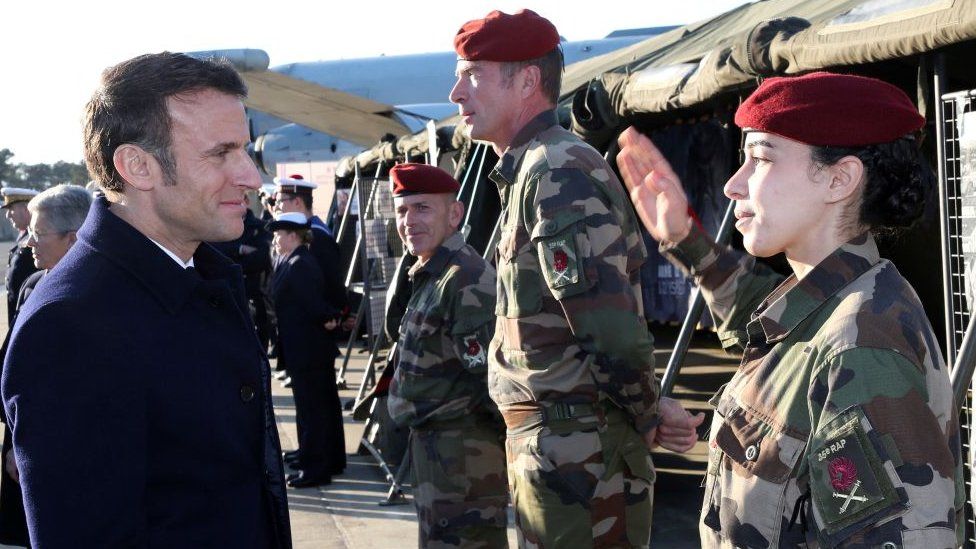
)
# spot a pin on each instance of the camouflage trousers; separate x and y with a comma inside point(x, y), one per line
point(459, 489)
point(579, 482)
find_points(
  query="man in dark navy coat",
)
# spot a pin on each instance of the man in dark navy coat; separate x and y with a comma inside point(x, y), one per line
point(135, 387)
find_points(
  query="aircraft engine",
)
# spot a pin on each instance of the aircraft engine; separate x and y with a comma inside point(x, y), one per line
point(293, 143)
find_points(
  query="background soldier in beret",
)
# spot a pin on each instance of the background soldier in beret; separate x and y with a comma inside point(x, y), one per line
point(439, 387)
point(839, 428)
point(571, 364)
point(20, 264)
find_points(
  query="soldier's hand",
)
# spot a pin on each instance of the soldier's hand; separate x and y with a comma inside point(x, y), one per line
point(678, 428)
point(655, 189)
point(245, 249)
point(10, 465)
point(331, 324)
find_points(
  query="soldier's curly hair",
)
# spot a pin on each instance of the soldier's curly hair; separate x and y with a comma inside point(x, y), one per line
point(898, 182)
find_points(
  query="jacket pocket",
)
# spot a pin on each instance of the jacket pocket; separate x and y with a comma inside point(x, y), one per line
point(752, 463)
point(519, 291)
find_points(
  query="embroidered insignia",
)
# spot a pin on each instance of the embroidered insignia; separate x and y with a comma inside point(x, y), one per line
point(474, 352)
point(843, 473)
point(560, 260)
point(843, 477)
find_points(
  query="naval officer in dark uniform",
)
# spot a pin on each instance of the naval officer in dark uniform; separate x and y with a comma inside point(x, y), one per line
point(20, 264)
point(307, 322)
point(294, 194)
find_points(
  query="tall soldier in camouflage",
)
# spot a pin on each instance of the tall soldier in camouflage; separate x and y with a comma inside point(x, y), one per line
point(439, 387)
point(571, 364)
point(839, 427)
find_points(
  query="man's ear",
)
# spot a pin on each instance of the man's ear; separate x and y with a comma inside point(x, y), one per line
point(531, 80)
point(455, 214)
point(844, 179)
point(136, 166)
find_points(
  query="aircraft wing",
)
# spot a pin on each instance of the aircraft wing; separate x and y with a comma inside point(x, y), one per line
point(344, 115)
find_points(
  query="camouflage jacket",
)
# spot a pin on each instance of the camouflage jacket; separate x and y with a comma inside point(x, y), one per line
point(443, 338)
point(570, 321)
point(840, 417)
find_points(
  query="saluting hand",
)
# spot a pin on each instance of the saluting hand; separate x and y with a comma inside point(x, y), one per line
point(655, 189)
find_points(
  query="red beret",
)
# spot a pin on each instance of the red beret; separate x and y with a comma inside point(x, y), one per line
point(412, 178)
point(506, 38)
point(825, 109)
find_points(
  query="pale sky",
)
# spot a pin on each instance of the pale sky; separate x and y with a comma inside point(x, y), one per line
point(54, 52)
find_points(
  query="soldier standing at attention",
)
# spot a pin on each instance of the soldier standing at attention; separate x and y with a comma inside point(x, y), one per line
point(20, 263)
point(839, 428)
point(439, 387)
point(571, 363)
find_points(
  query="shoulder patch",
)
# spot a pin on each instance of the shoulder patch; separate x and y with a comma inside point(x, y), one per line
point(474, 352)
point(848, 480)
point(561, 266)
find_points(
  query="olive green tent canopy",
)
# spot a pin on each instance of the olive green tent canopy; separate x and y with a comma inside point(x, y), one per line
point(694, 63)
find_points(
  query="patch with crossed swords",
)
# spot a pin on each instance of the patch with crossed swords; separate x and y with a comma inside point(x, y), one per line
point(560, 258)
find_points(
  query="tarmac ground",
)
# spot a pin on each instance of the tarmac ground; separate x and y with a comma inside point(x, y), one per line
point(347, 514)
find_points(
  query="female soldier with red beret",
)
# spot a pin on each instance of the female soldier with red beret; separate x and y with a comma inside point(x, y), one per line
point(839, 427)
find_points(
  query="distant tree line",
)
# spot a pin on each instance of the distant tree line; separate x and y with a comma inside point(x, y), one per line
point(40, 176)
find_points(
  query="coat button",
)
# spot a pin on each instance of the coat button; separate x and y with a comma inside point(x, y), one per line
point(889, 545)
point(752, 452)
point(247, 393)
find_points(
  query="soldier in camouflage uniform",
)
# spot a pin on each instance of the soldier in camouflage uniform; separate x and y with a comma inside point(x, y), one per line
point(839, 428)
point(439, 387)
point(571, 363)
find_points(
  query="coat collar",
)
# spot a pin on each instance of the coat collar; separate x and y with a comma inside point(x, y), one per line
point(508, 164)
point(793, 301)
point(125, 246)
point(438, 262)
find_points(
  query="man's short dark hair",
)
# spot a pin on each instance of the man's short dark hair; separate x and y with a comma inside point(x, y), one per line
point(130, 107)
point(551, 70)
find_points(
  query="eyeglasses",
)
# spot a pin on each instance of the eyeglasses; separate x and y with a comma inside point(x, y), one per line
point(35, 236)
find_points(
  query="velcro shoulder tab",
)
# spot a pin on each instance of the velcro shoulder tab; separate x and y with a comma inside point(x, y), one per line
point(551, 225)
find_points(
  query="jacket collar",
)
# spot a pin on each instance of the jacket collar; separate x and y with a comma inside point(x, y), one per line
point(793, 301)
point(438, 262)
point(125, 246)
point(508, 164)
